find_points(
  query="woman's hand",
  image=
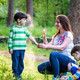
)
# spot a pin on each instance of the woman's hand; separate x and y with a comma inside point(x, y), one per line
point(43, 46)
point(44, 32)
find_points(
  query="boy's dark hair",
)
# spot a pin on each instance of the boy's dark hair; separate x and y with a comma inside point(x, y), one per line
point(75, 48)
point(19, 15)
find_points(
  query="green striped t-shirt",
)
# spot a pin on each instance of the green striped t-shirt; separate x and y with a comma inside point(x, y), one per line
point(17, 38)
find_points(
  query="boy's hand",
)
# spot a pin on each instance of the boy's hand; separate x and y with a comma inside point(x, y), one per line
point(37, 44)
point(43, 46)
point(11, 51)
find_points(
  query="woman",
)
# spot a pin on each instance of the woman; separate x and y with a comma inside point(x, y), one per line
point(62, 42)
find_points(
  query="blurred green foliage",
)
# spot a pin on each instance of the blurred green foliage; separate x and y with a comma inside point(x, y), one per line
point(44, 11)
point(3, 2)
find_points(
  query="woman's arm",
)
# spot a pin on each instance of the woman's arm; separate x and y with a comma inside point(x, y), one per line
point(56, 47)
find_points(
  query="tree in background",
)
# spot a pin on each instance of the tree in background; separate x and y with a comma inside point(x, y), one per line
point(29, 7)
point(10, 13)
point(74, 16)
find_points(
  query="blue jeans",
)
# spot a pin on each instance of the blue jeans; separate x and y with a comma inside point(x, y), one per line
point(57, 64)
point(17, 62)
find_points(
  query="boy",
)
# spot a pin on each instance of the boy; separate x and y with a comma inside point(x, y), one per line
point(73, 69)
point(17, 43)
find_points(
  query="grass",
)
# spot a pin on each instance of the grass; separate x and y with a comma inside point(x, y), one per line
point(32, 49)
point(4, 46)
point(30, 70)
point(4, 31)
point(5, 68)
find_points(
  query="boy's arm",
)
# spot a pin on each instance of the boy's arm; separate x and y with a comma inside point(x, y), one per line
point(77, 74)
point(30, 37)
point(10, 42)
point(33, 40)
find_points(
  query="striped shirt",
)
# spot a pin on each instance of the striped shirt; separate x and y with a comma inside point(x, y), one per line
point(17, 38)
point(77, 74)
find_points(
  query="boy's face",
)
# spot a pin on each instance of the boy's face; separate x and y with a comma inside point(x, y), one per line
point(22, 21)
point(76, 55)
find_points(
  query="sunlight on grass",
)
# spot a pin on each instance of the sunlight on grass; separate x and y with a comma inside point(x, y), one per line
point(32, 49)
point(30, 70)
point(5, 68)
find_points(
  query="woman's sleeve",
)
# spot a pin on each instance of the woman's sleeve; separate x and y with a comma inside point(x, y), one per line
point(70, 35)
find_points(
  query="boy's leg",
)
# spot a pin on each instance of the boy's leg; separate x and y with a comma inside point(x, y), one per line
point(15, 60)
point(21, 63)
point(45, 68)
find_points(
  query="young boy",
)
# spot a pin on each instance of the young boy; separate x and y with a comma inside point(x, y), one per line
point(73, 69)
point(17, 43)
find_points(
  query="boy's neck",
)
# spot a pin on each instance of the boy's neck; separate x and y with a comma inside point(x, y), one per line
point(19, 25)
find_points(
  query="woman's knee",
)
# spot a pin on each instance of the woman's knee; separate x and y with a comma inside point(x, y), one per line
point(42, 67)
point(53, 54)
point(39, 68)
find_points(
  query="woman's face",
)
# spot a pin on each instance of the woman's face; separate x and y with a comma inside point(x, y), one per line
point(58, 25)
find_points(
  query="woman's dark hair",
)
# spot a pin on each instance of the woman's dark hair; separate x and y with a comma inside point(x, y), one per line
point(19, 15)
point(65, 22)
point(75, 48)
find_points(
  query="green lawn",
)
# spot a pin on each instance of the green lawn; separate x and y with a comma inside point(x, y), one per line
point(30, 70)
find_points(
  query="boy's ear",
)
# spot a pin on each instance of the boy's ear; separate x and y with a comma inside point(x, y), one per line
point(18, 20)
